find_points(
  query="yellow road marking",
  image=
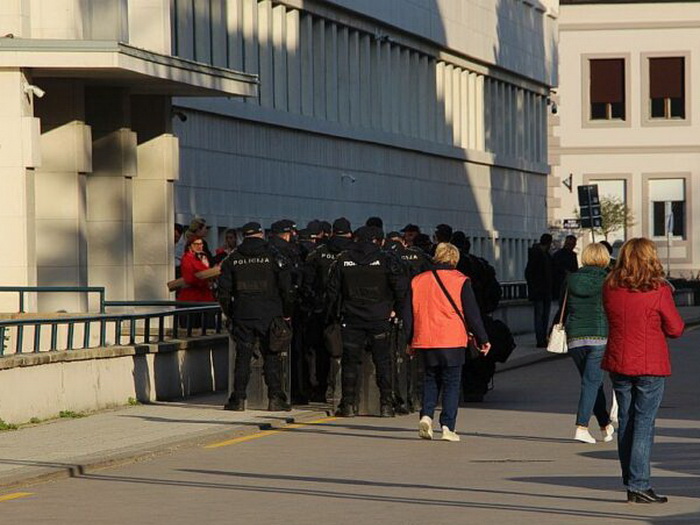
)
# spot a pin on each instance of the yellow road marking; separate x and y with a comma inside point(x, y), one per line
point(265, 433)
point(15, 495)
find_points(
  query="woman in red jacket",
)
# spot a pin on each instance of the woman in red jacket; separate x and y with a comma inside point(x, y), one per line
point(641, 314)
point(193, 262)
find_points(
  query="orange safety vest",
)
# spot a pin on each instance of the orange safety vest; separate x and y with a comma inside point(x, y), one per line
point(435, 322)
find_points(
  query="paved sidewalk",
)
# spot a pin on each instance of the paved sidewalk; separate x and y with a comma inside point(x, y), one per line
point(67, 447)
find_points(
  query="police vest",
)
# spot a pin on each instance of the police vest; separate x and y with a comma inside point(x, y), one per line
point(365, 283)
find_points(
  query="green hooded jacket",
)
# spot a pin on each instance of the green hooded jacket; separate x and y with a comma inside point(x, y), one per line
point(585, 312)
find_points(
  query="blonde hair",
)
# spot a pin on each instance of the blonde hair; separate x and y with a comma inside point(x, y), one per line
point(446, 253)
point(595, 254)
point(638, 267)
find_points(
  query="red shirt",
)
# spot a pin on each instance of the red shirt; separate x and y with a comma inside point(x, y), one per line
point(197, 289)
point(639, 323)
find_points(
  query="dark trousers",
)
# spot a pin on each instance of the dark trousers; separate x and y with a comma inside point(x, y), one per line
point(445, 380)
point(592, 398)
point(639, 398)
point(542, 309)
point(318, 358)
point(357, 339)
point(247, 336)
point(301, 389)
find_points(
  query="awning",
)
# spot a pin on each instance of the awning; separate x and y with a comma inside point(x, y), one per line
point(121, 65)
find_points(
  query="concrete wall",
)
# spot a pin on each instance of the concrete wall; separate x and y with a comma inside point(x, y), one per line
point(42, 385)
point(635, 150)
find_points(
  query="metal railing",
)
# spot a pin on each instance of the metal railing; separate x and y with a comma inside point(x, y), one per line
point(513, 290)
point(22, 290)
point(144, 328)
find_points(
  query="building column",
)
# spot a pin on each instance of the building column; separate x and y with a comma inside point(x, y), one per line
point(153, 197)
point(109, 192)
point(19, 155)
point(60, 196)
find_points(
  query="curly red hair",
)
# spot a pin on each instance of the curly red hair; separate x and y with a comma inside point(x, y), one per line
point(638, 267)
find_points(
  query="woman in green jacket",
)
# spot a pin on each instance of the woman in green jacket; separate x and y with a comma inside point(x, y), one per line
point(587, 335)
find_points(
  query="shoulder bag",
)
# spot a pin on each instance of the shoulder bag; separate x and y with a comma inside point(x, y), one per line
point(557, 338)
point(472, 350)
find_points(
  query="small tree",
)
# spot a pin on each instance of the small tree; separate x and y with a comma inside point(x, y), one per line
point(615, 215)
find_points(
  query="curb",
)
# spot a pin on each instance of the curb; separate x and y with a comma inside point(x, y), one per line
point(57, 471)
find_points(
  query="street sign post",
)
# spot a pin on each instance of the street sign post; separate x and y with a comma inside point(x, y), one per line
point(589, 205)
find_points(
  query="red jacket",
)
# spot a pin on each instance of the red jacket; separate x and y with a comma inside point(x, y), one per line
point(197, 289)
point(639, 323)
point(435, 322)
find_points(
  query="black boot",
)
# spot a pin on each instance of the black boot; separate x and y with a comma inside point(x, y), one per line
point(346, 410)
point(278, 404)
point(235, 404)
point(386, 410)
point(645, 496)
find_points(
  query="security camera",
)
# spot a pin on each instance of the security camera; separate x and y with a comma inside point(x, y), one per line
point(34, 90)
point(555, 108)
point(180, 116)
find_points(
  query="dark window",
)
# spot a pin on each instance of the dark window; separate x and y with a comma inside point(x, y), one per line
point(661, 210)
point(607, 84)
point(667, 87)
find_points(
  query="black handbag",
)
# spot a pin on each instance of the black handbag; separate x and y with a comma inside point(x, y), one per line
point(280, 335)
point(472, 350)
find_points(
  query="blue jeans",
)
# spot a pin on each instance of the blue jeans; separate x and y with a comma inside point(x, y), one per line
point(443, 379)
point(592, 399)
point(541, 308)
point(638, 398)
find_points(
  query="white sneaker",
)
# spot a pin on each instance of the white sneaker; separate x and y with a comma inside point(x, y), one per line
point(449, 435)
point(425, 428)
point(582, 434)
point(608, 433)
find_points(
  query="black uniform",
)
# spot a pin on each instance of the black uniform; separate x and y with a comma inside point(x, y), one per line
point(415, 259)
point(314, 289)
point(255, 286)
point(369, 285)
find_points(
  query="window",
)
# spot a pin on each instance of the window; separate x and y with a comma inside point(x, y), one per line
point(667, 87)
point(667, 202)
point(607, 89)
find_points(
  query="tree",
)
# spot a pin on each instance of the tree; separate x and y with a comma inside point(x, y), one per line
point(615, 215)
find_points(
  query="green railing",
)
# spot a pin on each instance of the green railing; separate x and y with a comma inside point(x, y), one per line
point(130, 329)
point(22, 290)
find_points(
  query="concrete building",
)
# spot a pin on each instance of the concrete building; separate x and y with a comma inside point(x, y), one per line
point(629, 118)
point(419, 111)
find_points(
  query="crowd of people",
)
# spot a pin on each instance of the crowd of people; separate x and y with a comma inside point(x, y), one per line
point(331, 294)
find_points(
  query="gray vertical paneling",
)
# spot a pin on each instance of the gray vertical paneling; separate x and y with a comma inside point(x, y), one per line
point(414, 102)
point(219, 44)
point(465, 108)
point(251, 61)
point(440, 116)
point(307, 64)
point(279, 44)
point(293, 45)
point(432, 100)
point(354, 78)
point(376, 82)
point(184, 16)
point(405, 90)
point(365, 51)
point(386, 84)
point(319, 50)
point(456, 106)
point(331, 71)
point(267, 76)
point(202, 31)
point(234, 26)
point(422, 104)
point(344, 86)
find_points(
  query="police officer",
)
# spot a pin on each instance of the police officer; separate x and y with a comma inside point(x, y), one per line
point(315, 285)
point(415, 259)
point(255, 288)
point(369, 287)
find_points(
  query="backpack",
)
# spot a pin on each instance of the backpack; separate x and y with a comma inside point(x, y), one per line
point(500, 337)
point(487, 289)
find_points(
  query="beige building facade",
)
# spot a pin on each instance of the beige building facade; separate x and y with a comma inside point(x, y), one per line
point(120, 117)
point(629, 119)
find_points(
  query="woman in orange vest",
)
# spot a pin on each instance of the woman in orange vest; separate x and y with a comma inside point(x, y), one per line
point(441, 311)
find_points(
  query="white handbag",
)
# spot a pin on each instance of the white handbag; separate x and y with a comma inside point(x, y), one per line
point(557, 338)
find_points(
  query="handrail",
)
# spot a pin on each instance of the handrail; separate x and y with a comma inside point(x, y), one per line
point(21, 290)
point(204, 314)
